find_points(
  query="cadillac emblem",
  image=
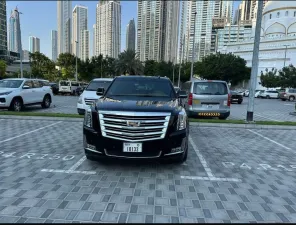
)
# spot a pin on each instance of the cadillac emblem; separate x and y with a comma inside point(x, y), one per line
point(133, 123)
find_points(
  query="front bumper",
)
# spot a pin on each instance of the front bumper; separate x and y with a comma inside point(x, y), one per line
point(81, 108)
point(4, 102)
point(95, 145)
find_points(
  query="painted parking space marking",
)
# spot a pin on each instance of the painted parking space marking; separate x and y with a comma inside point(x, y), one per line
point(72, 169)
point(260, 166)
point(68, 171)
point(279, 144)
point(9, 139)
point(210, 175)
point(36, 156)
point(76, 165)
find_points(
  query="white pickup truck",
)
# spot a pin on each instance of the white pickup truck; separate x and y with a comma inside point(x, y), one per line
point(15, 93)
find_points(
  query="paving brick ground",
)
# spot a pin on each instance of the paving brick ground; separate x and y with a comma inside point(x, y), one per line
point(121, 191)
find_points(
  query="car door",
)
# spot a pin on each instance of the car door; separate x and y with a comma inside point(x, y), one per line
point(28, 94)
point(38, 92)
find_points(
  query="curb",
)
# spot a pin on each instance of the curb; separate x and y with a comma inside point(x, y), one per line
point(44, 118)
point(244, 126)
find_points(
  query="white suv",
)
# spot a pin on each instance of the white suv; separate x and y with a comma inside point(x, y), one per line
point(15, 93)
point(89, 95)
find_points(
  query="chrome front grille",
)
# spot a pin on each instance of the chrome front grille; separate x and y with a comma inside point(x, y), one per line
point(89, 101)
point(134, 126)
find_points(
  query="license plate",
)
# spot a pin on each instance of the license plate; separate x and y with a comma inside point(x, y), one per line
point(209, 114)
point(211, 106)
point(235, 99)
point(132, 147)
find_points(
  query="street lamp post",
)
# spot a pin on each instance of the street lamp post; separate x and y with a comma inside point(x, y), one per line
point(285, 54)
point(181, 60)
point(254, 71)
point(193, 48)
point(76, 75)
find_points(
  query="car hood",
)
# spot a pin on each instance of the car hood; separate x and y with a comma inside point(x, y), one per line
point(90, 94)
point(138, 105)
point(3, 90)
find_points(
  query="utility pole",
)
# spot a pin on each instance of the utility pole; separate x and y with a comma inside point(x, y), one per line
point(193, 48)
point(285, 54)
point(254, 71)
point(20, 42)
point(181, 60)
point(76, 75)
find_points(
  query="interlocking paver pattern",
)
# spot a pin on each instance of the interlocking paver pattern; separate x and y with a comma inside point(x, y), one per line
point(146, 192)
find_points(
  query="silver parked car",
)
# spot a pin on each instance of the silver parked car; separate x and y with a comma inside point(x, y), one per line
point(207, 98)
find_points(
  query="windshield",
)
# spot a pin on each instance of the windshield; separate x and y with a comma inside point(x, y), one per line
point(10, 83)
point(210, 88)
point(142, 88)
point(94, 85)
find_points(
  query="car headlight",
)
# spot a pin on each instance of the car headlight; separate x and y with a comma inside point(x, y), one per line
point(80, 100)
point(88, 118)
point(182, 117)
point(6, 93)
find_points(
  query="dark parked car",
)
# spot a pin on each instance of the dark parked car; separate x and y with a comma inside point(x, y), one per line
point(236, 97)
point(137, 117)
point(54, 88)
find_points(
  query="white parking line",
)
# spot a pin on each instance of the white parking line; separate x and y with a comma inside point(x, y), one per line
point(283, 146)
point(288, 104)
point(201, 158)
point(9, 139)
point(76, 165)
point(68, 171)
point(209, 172)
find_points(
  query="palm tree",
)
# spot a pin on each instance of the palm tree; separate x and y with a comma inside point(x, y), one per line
point(129, 63)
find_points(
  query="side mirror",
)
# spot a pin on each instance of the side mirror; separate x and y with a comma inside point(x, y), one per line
point(26, 87)
point(100, 91)
point(182, 94)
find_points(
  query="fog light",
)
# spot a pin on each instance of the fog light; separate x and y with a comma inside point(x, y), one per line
point(92, 147)
point(174, 150)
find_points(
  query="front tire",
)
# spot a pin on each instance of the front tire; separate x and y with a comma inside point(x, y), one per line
point(239, 102)
point(16, 105)
point(46, 102)
point(291, 98)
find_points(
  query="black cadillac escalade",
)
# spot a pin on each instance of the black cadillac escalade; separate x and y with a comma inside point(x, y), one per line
point(138, 117)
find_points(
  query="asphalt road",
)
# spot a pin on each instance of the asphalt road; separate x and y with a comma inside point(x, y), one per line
point(265, 109)
point(231, 175)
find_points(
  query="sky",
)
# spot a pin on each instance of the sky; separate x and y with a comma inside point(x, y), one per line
point(38, 18)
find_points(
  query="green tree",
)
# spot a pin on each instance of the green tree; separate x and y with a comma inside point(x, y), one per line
point(227, 67)
point(150, 67)
point(97, 66)
point(287, 77)
point(67, 64)
point(41, 67)
point(270, 79)
point(128, 63)
point(2, 68)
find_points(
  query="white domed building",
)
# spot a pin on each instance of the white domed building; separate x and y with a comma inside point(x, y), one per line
point(278, 38)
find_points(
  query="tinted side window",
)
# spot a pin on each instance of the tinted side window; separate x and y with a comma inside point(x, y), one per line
point(28, 83)
point(36, 84)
